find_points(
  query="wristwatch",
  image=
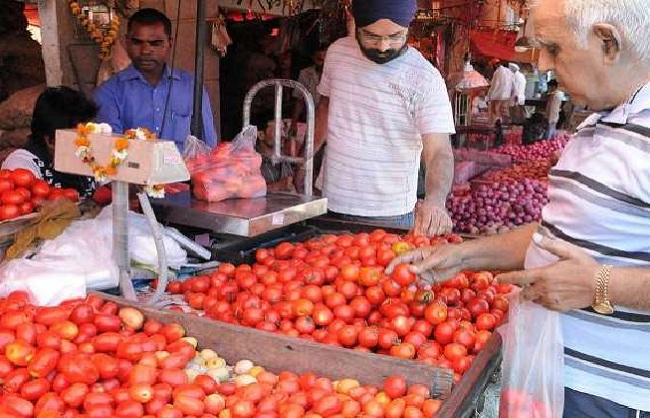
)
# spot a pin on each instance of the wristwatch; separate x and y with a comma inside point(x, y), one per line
point(602, 304)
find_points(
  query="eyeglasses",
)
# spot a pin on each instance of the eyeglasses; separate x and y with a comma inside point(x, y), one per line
point(371, 38)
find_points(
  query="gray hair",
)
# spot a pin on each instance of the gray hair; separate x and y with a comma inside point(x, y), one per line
point(630, 17)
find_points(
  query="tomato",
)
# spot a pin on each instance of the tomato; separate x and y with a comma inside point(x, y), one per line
point(34, 389)
point(368, 337)
point(9, 211)
point(107, 322)
point(485, 321)
point(403, 350)
point(51, 315)
point(75, 394)
point(436, 313)
point(12, 197)
point(189, 405)
point(71, 194)
point(49, 402)
point(387, 338)
point(26, 208)
point(22, 177)
point(78, 368)
point(402, 275)
point(283, 250)
point(444, 333)
point(39, 188)
point(395, 386)
point(15, 379)
point(347, 336)
point(19, 352)
point(129, 409)
point(6, 184)
point(391, 288)
point(18, 406)
point(44, 362)
point(107, 342)
point(174, 377)
point(242, 409)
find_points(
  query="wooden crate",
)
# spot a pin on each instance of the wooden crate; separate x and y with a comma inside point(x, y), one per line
point(278, 352)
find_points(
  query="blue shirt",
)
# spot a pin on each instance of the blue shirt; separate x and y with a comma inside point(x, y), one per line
point(128, 101)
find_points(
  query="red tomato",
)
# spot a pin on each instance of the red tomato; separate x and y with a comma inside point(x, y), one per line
point(22, 177)
point(6, 184)
point(395, 386)
point(9, 212)
point(40, 188)
point(485, 321)
point(34, 389)
point(402, 275)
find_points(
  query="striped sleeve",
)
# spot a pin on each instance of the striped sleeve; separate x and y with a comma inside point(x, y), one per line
point(433, 112)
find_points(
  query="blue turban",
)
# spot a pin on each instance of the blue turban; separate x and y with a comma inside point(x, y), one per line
point(367, 12)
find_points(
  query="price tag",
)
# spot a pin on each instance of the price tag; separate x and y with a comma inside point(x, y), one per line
point(278, 219)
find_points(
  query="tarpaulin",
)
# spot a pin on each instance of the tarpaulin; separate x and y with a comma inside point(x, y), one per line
point(494, 43)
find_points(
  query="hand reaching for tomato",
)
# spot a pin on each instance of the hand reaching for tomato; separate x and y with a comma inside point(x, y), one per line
point(431, 219)
point(432, 264)
point(562, 286)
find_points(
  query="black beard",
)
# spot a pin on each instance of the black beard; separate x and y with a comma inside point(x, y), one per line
point(382, 57)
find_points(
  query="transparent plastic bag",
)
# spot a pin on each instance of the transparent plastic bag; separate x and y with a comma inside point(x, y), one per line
point(533, 362)
point(231, 170)
point(193, 147)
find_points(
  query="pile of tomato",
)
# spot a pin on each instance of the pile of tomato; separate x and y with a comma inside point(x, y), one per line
point(91, 359)
point(21, 193)
point(334, 290)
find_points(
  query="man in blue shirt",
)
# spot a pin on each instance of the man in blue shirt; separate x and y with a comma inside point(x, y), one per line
point(147, 93)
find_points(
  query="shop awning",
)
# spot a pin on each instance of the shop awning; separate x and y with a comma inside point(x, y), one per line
point(494, 44)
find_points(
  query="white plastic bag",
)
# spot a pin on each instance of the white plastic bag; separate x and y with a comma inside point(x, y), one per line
point(533, 362)
point(194, 147)
point(64, 267)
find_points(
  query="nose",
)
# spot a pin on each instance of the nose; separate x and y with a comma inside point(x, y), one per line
point(384, 45)
point(146, 48)
point(545, 61)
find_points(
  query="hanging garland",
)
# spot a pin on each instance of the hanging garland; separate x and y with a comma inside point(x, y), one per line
point(119, 153)
point(105, 38)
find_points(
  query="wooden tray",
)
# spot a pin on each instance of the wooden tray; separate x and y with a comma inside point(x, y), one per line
point(278, 352)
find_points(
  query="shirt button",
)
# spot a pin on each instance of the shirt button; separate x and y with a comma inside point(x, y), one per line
point(157, 109)
point(157, 128)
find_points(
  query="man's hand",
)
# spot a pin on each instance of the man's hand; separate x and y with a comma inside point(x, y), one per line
point(433, 264)
point(562, 286)
point(431, 219)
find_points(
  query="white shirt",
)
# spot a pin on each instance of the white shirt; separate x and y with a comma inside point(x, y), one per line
point(518, 89)
point(21, 158)
point(554, 106)
point(309, 78)
point(501, 84)
point(599, 200)
point(377, 116)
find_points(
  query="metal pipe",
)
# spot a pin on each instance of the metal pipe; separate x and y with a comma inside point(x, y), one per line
point(277, 140)
point(197, 112)
point(120, 191)
point(160, 248)
point(308, 158)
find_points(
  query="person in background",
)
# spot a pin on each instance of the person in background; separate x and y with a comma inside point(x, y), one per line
point(56, 108)
point(589, 257)
point(148, 94)
point(518, 94)
point(553, 108)
point(500, 91)
point(382, 105)
point(310, 78)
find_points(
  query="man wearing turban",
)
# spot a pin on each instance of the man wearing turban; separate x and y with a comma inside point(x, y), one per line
point(383, 107)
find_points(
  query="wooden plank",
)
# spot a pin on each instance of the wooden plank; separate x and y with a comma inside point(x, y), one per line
point(278, 352)
point(474, 379)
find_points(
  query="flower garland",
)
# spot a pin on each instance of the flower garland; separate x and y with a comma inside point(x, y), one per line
point(104, 38)
point(118, 154)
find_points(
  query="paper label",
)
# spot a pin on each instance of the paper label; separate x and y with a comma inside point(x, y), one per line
point(278, 219)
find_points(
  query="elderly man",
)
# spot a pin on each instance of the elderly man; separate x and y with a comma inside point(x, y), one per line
point(590, 255)
point(383, 105)
point(500, 91)
point(518, 94)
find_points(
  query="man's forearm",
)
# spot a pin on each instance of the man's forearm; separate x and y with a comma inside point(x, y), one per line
point(500, 252)
point(630, 287)
point(439, 174)
point(322, 114)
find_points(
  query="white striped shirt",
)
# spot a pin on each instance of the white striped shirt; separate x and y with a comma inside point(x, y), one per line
point(377, 116)
point(599, 200)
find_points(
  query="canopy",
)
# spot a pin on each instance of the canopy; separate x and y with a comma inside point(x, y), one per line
point(494, 43)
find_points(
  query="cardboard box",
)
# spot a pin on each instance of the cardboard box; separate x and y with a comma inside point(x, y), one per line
point(148, 162)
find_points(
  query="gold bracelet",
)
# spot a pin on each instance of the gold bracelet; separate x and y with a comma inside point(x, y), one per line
point(602, 304)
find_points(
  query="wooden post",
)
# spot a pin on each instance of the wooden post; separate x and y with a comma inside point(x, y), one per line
point(47, 13)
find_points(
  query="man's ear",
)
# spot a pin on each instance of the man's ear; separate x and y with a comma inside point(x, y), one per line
point(610, 39)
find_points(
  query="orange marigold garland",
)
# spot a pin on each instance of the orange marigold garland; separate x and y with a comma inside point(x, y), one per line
point(105, 38)
point(118, 154)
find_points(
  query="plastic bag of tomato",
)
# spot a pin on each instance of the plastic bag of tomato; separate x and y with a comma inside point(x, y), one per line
point(21, 193)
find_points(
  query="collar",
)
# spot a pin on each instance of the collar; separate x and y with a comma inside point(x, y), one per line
point(131, 73)
point(635, 104)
